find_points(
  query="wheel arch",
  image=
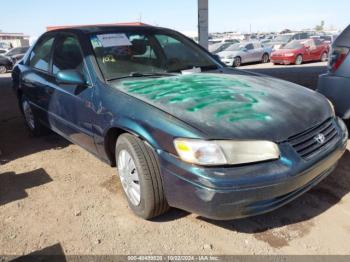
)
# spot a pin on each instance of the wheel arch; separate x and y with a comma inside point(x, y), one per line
point(112, 133)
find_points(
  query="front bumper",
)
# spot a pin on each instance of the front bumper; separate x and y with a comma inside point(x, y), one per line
point(336, 89)
point(224, 193)
point(227, 61)
point(285, 60)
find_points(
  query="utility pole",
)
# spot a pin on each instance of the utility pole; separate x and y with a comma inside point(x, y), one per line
point(203, 31)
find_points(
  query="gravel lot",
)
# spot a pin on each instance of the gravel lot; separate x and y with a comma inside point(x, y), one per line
point(55, 198)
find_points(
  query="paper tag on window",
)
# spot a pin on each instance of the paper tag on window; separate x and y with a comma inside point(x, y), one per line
point(110, 40)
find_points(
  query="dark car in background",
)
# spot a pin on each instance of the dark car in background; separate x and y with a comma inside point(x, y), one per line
point(299, 51)
point(182, 129)
point(6, 64)
point(17, 53)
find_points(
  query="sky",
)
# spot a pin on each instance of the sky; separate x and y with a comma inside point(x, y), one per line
point(32, 16)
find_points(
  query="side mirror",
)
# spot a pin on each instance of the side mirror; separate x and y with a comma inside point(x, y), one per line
point(245, 49)
point(70, 77)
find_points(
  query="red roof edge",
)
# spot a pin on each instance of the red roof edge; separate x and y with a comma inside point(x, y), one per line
point(49, 28)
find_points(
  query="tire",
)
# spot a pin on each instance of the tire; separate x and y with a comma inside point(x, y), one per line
point(3, 69)
point(298, 60)
point(143, 166)
point(32, 123)
point(324, 57)
point(265, 58)
point(237, 62)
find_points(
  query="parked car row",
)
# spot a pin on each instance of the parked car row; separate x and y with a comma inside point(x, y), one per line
point(287, 48)
point(9, 58)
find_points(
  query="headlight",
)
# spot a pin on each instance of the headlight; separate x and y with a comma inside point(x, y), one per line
point(225, 152)
point(289, 54)
point(332, 106)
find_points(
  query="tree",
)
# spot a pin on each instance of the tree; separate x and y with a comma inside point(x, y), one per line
point(320, 27)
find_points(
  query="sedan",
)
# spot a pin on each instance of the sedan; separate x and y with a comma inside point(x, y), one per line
point(182, 130)
point(299, 51)
point(246, 52)
point(17, 53)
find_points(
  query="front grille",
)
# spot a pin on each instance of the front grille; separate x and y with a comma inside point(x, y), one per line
point(305, 143)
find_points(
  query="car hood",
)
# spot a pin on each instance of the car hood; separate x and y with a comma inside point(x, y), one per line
point(228, 53)
point(224, 106)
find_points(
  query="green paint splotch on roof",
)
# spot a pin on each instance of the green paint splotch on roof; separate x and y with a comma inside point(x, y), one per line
point(228, 97)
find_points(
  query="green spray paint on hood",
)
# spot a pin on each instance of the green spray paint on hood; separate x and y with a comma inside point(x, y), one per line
point(224, 97)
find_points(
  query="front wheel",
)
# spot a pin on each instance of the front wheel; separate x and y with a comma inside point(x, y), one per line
point(324, 57)
point(237, 61)
point(299, 60)
point(3, 69)
point(139, 174)
point(265, 58)
point(34, 126)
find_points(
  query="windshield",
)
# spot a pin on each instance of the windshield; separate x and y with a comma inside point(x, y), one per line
point(121, 54)
point(293, 45)
point(283, 38)
point(235, 47)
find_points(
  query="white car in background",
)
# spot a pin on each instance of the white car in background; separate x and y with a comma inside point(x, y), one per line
point(245, 52)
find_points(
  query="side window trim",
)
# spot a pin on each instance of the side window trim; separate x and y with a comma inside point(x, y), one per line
point(39, 42)
point(61, 36)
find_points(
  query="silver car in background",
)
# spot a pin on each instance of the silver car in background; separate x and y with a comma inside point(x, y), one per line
point(218, 47)
point(335, 84)
point(245, 52)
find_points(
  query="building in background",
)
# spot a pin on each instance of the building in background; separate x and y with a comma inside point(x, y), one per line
point(11, 40)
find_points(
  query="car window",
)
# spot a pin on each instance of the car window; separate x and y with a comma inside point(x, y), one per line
point(40, 56)
point(317, 41)
point(121, 53)
point(249, 46)
point(257, 45)
point(67, 56)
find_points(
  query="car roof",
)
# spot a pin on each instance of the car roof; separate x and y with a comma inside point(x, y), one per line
point(106, 28)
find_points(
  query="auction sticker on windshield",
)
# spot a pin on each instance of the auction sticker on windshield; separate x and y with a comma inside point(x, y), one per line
point(111, 40)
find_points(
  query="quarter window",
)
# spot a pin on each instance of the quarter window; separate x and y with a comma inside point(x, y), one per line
point(40, 56)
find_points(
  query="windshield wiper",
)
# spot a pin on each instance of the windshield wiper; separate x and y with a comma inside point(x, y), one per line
point(138, 74)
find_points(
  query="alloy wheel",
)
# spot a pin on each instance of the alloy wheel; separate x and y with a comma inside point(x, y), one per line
point(237, 62)
point(2, 70)
point(28, 114)
point(299, 60)
point(129, 177)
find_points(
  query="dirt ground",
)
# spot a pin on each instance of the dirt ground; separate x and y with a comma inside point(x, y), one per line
point(58, 199)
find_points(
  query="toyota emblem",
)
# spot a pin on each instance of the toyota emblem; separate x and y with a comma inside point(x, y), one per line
point(320, 138)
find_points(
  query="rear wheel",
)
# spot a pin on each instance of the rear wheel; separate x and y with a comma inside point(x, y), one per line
point(139, 174)
point(299, 60)
point(265, 58)
point(3, 69)
point(34, 126)
point(324, 57)
point(237, 61)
